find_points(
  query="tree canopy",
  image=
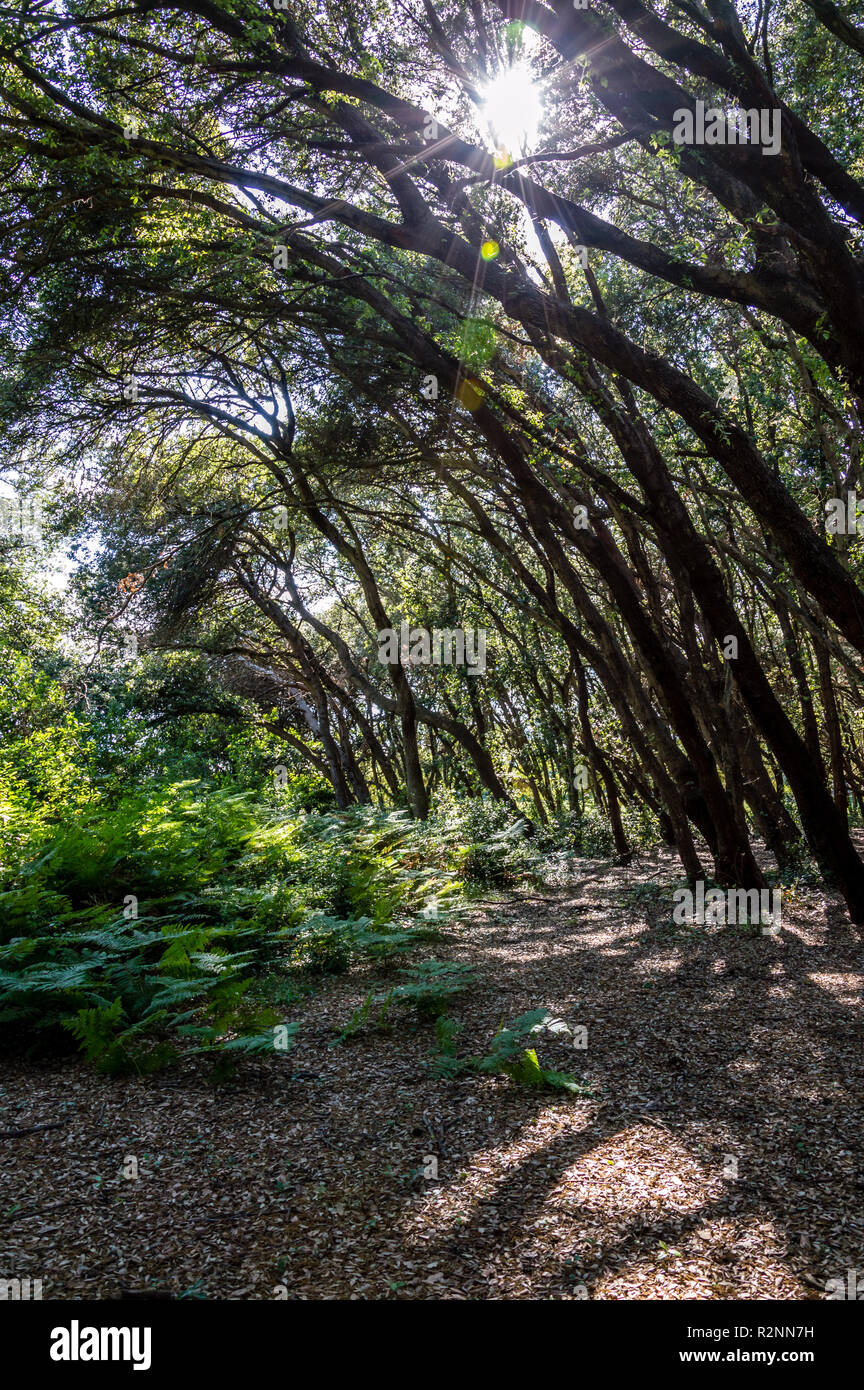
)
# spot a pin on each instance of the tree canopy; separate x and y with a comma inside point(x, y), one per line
point(303, 340)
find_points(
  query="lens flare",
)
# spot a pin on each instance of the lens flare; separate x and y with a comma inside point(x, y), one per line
point(513, 109)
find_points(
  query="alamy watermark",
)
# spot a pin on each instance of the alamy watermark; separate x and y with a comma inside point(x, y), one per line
point(843, 515)
point(852, 1287)
point(758, 126)
point(20, 1290)
point(729, 905)
point(77, 1343)
point(418, 646)
point(20, 517)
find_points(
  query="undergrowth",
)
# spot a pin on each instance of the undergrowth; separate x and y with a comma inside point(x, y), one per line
point(146, 930)
point(508, 1055)
point(188, 918)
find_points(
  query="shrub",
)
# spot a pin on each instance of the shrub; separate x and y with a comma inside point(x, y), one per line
point(508, 1056)
point(225, 891)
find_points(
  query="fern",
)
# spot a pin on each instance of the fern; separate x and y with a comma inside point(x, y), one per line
point(507, 1056)
point(95, 1029)
point(226, 895)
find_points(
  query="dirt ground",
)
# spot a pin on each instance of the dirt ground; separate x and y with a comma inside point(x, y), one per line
point(709, 1050)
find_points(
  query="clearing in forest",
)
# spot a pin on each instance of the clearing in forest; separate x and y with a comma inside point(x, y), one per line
point(711, 1150)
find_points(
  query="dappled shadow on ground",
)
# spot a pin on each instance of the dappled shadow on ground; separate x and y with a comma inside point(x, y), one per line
point(715, 1153)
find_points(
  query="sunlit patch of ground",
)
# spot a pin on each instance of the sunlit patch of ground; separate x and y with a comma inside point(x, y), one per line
point(714, 1154)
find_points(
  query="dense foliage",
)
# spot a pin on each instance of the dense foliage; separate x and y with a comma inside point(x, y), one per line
point(299, 348)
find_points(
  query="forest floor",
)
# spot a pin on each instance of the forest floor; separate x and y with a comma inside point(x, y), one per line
point(303, 1177)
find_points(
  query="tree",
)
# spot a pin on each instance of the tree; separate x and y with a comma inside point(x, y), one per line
point(622, 373)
